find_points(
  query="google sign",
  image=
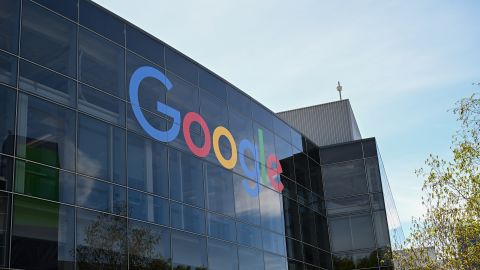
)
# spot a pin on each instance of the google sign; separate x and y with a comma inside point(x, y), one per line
point(270, 169)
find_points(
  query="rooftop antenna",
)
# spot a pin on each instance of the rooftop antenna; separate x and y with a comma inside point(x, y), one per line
point(339, 89)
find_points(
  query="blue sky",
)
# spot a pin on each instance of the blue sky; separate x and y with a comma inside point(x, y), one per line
point(403, 63)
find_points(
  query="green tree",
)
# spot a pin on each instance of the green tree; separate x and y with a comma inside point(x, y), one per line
point(447, 236)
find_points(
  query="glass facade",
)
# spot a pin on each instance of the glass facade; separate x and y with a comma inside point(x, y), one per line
point(187, 172)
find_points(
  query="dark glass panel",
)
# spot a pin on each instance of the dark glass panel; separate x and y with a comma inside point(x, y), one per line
point(311, 255)
point(186, 178)
point(271, 210)
point(44, 182)
point(357, 260)
point(220, 190)
point(322, 232)
point(5, 219)
point(67, 8)
point(149, 246)
point(101, 105)
point(145, 45)
point(302, 172)
point(285, 155)
point(316, 177)
point(273, 262)
point(184, 96)
point(101, 150)
point(101, 63)
point(8, 103)
point(101, 196)
point(150, 91)
point(289, 188)
point(377, 201)
point(281, 129)
point(147, 165)
point(46, 133)
point(247, 207)
point(221, 227)
point(6, 173)
point(48, 39)
point(9, 20)
point(268, 141)
point(189, 251)
point(307, 221)
point(373, 175)
point(313, 151)
point(213, 110)
point(353, 232)
point(101, 241)
point(238, 101)
point(340, 153)
point(249, 235)
point(344, 179)
point(250, 259)
point(187, 218)
point(100, 21)
point(8, 69)
point(381, 229)
point(348, 204)
point(48, 84)
point(294, 249)
point(212, 83)
point(294, 265)
point(222, 256)
point(369, 148)
point(149, 208)
point(241, 128)
point(153, 119)
point(181, 66)
point(292, 218)
point(262, 116)
point(42, 235)
point(325, 259)
point(274, 243)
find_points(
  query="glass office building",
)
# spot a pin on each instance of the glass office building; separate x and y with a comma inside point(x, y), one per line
point(119, 152)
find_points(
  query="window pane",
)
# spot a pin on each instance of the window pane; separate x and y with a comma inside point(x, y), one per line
point(213, 110)
point(285, 155)
point(348, 204)
point(239, 101)
point(189, 251)
point(48, 39)
point(273, 262)
point(181, 66)
point(101, 105)
point(46, 133)
point(222, 256)
point(184, 96)
point(8, 69)
point(147, 165)
point(8, 102)
point(212, 83)
point(262, 116)
point(42, 235)
point(307, 219)
point(381, 229)
point(67, 8)
point(340, 153)
point(294, 249)
point(5, 219)
point(101, 196)
point(272, 210)
point(188, 218)
point(220, 190)
point(249, 235)
point(250, 259)
point(186, 178)
point(273, 242)
point(145, 45)
point(292, 218)
point(101, 150)
point(281, 129)
point(6, 173)
point(302, 172)
point(247, 207)
point(102, 22)
point(149, 208)
point(101, 241)
point(221, 227)
point(373, 175)
point(9, 18)
point(322, 232)
point(343, 179)
point(102, 63)
point(149, 246)
point(44, 182)
point(153, 119)
point(354, 232)
point(48, 84)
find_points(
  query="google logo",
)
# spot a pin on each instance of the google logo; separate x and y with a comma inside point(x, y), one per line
point(270, 169)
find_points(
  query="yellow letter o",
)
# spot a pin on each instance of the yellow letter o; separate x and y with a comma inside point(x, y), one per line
point(217, 133)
